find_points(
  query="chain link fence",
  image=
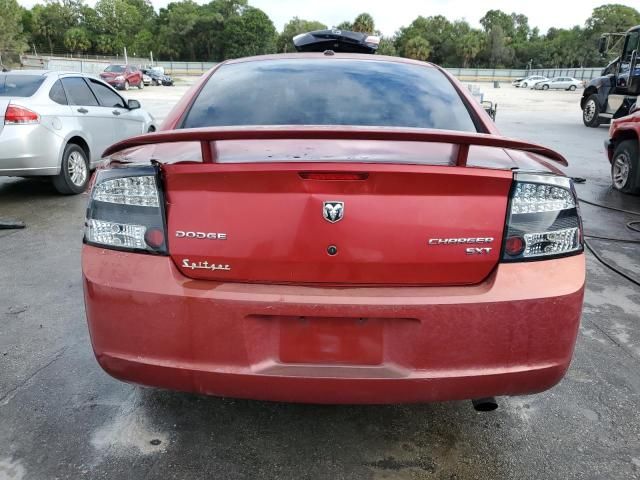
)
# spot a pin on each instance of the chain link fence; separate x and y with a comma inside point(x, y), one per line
point(96, 65)
point(503, 74)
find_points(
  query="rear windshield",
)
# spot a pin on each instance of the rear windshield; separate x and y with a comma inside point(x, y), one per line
point(329, 92)
point(115, 68)
point(15, 85)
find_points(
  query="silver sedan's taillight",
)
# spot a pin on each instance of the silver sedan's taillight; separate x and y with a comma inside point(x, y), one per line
point(543, 220)
point(126, 211)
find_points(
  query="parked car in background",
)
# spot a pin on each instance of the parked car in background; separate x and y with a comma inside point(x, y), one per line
point(529, 82)
point(57, 125)
point(517, 81)
point(123, 76)
point(373, 242)
point(158, 76)
point(146, 79)
point(623, 151)
point(559, 83)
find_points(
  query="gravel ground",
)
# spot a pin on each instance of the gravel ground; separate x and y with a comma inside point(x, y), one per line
point(62, 417)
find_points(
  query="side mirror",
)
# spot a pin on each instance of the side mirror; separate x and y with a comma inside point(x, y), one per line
point(133, 104)
point(634, 75)
point(602, 45)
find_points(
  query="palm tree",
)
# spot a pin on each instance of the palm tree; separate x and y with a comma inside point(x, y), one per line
point(470, 46)
point(363, 23)
point(417, 48)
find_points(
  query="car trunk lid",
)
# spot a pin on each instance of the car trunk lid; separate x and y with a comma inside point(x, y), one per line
point(335, 224)
point(241, 209)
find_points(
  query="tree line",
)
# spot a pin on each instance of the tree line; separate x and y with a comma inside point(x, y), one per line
point(222, 29)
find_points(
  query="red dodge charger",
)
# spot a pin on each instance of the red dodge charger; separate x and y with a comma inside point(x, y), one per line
point(333, 228)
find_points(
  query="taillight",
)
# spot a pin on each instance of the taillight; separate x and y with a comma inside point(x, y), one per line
point(126, 210)
point(543, 219)
point(16, 115)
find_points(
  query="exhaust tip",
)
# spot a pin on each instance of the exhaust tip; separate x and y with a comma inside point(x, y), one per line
point(488, 404)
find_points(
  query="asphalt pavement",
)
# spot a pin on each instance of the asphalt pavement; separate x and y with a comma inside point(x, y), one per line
point(61, 417)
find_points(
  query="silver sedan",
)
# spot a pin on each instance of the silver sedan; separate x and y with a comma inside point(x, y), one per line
point(58, 124)
point(559, 83)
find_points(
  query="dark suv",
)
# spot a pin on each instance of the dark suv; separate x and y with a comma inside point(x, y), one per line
point(123, 76)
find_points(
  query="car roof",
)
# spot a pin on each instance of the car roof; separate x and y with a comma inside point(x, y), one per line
point(336, 55)
point(29, 72)
point(46, 73)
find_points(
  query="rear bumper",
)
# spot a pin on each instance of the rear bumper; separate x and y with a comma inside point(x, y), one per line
point(29, 150)
point(513, 334)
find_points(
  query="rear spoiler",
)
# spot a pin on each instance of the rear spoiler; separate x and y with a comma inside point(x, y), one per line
point(205, 136)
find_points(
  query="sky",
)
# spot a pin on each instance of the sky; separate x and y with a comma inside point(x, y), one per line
point(390, 15)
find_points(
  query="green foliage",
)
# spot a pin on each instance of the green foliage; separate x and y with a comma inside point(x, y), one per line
point(438, 33)
point(294, 27)
point(497, 18)
point(470, 44)
point(364, 23)
point(251, 33)
point(387, 47)
point(612, 18)
point(417, 48)
point(344, 26)
point(220, 29)
point(50, 22)
point(143, 43)
point(120, 20)
point(497, 51)
point(76, 39)
point(11, 39)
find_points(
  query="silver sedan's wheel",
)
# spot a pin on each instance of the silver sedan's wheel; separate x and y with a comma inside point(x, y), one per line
point(78, 170)
point(74, 171)
point(572, 88)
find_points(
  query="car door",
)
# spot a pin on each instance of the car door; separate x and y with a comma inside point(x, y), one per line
point(125, 123)
point(563, 83)
point(134, 76)
point(92, 119)
point(631, 43)
point(61, 114)
point(555, 83)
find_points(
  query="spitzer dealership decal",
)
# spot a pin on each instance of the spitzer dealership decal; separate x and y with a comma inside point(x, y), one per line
point(186, 263)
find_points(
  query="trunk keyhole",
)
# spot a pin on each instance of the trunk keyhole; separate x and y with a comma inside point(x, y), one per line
point(332, 250)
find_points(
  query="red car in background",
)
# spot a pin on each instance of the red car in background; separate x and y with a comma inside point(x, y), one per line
point(123, 76)
point(333, 228)
point(624, 152)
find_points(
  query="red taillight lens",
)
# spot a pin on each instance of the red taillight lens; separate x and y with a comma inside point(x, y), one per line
point(126, 210)
point(16, 115)
point(543, 220)
point(514, 246)
point(154, 237)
